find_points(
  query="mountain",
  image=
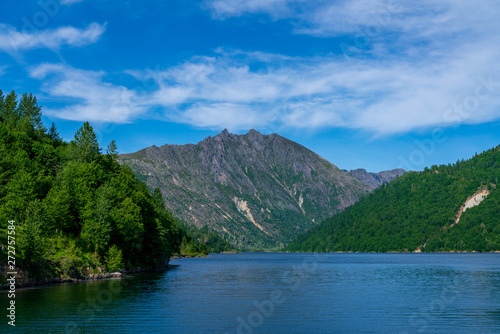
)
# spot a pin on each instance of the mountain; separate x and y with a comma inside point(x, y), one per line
point(258, 191)
point(444, 208)
point(375, 180)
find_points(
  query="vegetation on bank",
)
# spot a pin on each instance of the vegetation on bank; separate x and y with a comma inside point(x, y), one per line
point(196, 242)
point(77, 211)
point(417, 211)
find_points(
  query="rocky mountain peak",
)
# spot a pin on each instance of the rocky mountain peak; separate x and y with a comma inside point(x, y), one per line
point(375, 180)
point(259, 191)
point(254, 134)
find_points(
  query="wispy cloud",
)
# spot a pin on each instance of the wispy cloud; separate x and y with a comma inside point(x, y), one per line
point(391, 27)
point(331, 92)
point(13, 40)
point(432, 64)
point(2, 69)
point(349, 16)
point(233, 116)
point(228, 8)
point(69, 2)
point(223, 91)
point(88, 96)
point(409, 63)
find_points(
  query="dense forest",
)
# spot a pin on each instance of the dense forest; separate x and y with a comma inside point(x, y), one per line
point(77, 211)
point(418, 211)
point(200, 242)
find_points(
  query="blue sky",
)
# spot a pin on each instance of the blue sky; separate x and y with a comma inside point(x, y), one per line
point(364, 83)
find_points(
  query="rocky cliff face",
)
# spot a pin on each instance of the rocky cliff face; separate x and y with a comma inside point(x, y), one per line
point(259, 191)
point(375, 180)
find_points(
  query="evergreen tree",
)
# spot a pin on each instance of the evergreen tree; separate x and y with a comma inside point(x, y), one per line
point(54, 134)
point(112, 149)
point(71, 202)
point(97, 228)
point(85, 146)
point(30, 238)
point(418, 209)
point(28, 108)
point(8, 112)
point(114, 259)
point(129, 225)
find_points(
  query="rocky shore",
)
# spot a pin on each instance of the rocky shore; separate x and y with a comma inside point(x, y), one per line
point(24, 283)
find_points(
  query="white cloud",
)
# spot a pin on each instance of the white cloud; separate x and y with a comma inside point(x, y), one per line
point(223, 115)
point(88, 96)
point(383, 97)
point(217, 92)
point(379, 26)
point(13, 40)
point(426, 69)
point(409, 63)
point(69, 2)
point(349, 16)
point(2, 69)
point(228, 8)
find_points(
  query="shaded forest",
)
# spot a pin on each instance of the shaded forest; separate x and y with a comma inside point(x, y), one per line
point(417, 209)
point(77, 211)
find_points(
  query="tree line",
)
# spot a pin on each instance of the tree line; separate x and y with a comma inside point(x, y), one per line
point(417, 211)
point(77, 210)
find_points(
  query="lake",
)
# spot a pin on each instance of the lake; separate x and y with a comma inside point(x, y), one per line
point(279, 293)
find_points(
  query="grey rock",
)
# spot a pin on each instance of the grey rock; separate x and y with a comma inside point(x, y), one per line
point(258, 191)
point(375, 180)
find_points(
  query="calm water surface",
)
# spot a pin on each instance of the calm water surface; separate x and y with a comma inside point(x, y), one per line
point(279, 293)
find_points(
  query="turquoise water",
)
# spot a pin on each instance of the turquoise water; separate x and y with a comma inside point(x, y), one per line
point(279, 293)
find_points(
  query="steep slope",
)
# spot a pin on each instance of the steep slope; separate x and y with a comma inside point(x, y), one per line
point(68, 211)
point(259, 191)
point(375, 180)
point(446, 208)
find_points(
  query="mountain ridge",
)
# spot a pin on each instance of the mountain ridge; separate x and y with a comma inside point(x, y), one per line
point(258, 190)
point(443, 208)
point(375, 180)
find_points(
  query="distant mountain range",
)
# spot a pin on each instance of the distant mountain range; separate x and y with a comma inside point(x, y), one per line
point(443, 208)
point(375, 180)
point(258, 191)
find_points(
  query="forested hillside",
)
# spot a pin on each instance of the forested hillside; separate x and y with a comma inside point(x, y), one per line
point(195, 242)
point(77, 211)
point(418, 212)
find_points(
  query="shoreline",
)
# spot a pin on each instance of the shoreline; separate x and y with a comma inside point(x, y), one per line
point(395, 252)
point(339, 252)
point(100, 277)
point(124, 273)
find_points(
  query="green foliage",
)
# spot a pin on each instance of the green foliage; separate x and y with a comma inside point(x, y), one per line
point(85, 147)
point(31, 243)
point(9, 113)
point(54, 134)
point(71, 202)
point(478, 229)
point(112, 149)
point(114, 259)
point(196, 242)
point(28, 108)
point(418, 209)
point(129, 226)
point(67, 259)
point(97, 222)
